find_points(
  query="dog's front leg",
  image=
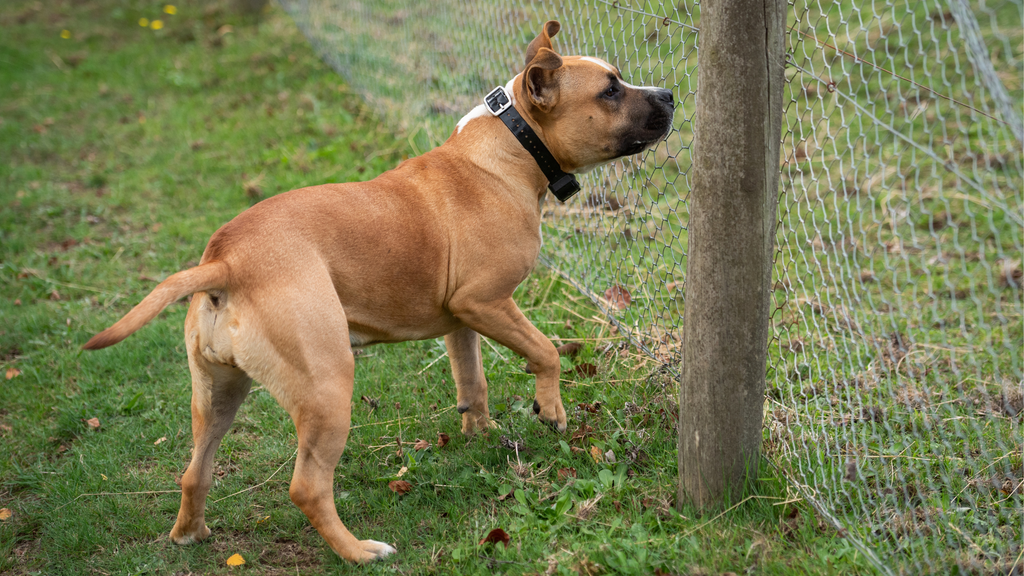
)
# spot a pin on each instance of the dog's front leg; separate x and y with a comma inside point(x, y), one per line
point(468, 370)
point(503, 322)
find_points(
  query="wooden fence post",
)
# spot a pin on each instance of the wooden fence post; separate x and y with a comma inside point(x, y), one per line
point(731, 240)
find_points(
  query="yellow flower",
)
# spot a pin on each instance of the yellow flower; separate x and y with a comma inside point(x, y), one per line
point(170, 9)
point(144, 22)
point(65, 34)
point(156, 24)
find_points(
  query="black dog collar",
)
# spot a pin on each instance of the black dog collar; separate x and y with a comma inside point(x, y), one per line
point(561, 184)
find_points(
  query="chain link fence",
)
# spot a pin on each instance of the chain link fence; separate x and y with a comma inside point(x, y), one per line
point(895, 381)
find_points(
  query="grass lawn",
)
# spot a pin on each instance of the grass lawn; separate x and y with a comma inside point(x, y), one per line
point(123, 148)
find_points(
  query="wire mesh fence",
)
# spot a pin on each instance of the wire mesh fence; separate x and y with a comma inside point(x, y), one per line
point(895, 380)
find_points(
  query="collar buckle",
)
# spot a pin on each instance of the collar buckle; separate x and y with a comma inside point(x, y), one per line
point(497, 101)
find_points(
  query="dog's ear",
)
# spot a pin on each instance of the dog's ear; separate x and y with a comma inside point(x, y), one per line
point(539, 79)
point(543, 40)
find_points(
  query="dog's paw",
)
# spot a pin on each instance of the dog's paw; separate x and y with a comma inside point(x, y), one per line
point(184, 538)
point(552, 415)
point(373, 550)
point(474, 423)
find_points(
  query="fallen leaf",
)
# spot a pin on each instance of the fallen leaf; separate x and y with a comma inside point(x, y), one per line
point(159, 440)
point(872, 414)
point(609, 457)
point(1012, 397)
point(400, 487)
point(504, 497)
point(495, 536)
point(564, 473)
point(596, 454)
point(571, 349)
point(402, 471)
point(442, 439)
point(236, 560)
point(592, 408)
point(582, 432)
point(421, 445)
point(851, 470)
point(5, 514)
point(618, 297)
point(54, 295)
point(516, 446)
point(13, 372)
point(1011, 274)
point(93, 423)
point(585, 370)
point(576, 449)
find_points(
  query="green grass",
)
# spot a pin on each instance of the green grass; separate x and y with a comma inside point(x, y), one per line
point(124, 148)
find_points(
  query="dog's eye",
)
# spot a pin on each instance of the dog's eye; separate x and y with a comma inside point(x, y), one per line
point(612, 91)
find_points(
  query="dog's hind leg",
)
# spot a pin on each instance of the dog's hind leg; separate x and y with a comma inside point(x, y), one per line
point(217, 392)
point(307, 363)
point(471, 385)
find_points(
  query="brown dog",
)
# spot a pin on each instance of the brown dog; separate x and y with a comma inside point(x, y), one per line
point(435, 247)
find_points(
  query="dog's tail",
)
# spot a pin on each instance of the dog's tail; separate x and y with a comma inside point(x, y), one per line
point(209, 276)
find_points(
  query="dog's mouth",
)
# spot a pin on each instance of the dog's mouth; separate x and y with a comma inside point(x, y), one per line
point(638, 140)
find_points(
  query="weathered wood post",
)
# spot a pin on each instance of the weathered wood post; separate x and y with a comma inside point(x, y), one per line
point(731, 239)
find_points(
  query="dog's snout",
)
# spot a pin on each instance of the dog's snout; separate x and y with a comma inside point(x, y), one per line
point(665, 96)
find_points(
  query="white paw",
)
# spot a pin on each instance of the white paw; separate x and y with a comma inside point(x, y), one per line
point(378, 549)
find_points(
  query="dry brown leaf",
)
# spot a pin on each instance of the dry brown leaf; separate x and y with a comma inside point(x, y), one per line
point(592, 408)
point(585, 370)
point(236, 560)
point(618, 297)
point(13, 372)
point(1011, 274)
point(400, 487)
point(442, 439)
point(373, 402)
point(582, 432)
point(159, 440)
point(596, 454)
point(565, 473)
point(421, 445)
point(93, 423)
point(571, 349)
point(495, 536)
point(5, 514)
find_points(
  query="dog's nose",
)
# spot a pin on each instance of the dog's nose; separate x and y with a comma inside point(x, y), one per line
point(665, 96)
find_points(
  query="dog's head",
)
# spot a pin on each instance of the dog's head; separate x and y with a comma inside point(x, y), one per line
point(587, 113)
